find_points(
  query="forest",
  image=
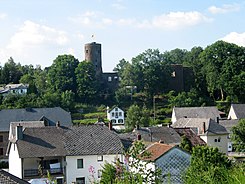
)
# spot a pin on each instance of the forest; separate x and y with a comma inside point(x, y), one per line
point(218, 78)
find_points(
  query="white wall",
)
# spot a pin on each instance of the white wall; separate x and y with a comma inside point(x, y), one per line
point(15, 163)
point(222, 145)
point(110, 117)
point(91, 160)
point(232, 114)
point(173, 118)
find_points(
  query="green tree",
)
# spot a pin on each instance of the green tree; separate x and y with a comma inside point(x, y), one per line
point(61, 74)
point(137, 116)
point(238, 136)
point(208, 165)
point(87, 84)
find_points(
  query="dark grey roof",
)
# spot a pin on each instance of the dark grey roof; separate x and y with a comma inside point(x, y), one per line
point(72, 141)
point(7, 178)
point(239, 110)
point(211, 127)
point(196, 112)
point(42, 142)
point(92, 140)
point(152, 134)
point(34, 114)
point(24, 124)
point(229, 123)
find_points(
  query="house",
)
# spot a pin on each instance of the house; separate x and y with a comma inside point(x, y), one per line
point(116, 117)
point(237, 111)
point(19, 89)
point(228, 124)
point(210, 131)
point(149, 135)
point(195, 112)
point(193, 138)
point(172, 161)
point(7, 178)
point(70, 155)
point(48, 115)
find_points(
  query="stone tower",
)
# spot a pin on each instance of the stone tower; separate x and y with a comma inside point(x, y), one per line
point(93, 54)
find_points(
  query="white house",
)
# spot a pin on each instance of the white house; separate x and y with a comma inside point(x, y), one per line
point(195, 112)
point(72, 155)
point(19, 89)
point(237, 111)
point(115, 116)
point(170, 159)
point(210, 131)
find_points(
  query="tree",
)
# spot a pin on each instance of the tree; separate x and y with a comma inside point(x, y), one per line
point(87, 84)
point(238, 136)
point(132, 171)
point(222, 61)
point(11, 72)
point(208, 165)
point(137, 116)
point(61, 74)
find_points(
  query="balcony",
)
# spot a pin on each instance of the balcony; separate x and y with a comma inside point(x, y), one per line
point(42, 172)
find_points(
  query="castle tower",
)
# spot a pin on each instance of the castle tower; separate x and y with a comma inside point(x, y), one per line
point(93, 54)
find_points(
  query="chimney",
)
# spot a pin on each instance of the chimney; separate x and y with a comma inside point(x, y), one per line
point(110, 125)
point(217, 120)
point(58, 124)
point(19, 132)
point(203, 127)
point(138, 137)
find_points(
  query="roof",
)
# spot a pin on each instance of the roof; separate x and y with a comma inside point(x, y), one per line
point(191, 136)
point(16, 86)
point(196, 112)
point(164, 134)
point(239, 110)
point(8, 178)
point(42, 142)
point(72, 141)
point(53, 115)
point(211, 127)
point(229, 123)
point(156, 150)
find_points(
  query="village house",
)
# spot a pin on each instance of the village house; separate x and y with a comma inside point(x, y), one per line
point(116, 117)
point(211, 132)
point(29, 117)
point(195, 112)
point(73, 155)
point(170, 159)
point(7, 178)
point(237, 111)
point(18, 89)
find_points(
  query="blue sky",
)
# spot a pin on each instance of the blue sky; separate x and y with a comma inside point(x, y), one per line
point(36, 32)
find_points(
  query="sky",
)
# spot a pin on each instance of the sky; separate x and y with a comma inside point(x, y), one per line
point(37, 31)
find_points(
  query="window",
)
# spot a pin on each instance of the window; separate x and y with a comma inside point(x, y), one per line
point(116, 114)
point(79, 163)
point(112, 114)
point(113, 121)
point(120, 121)
point(109, 79)
point(100, 158)
point(1, 151)
point(86, 51)
point(99, 173)
point(120, 113)
point(116, 109)
point(219, 139)
point(215, 140)
point(80, 180)
point(1, 138)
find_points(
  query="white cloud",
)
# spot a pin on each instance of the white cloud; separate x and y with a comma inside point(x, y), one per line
point(175, 20)
point(234, 37)
point(3, 16)
point(32, 34)
point(126, 22)
point(33, 42)
point(118, 6)
point(226, 8)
